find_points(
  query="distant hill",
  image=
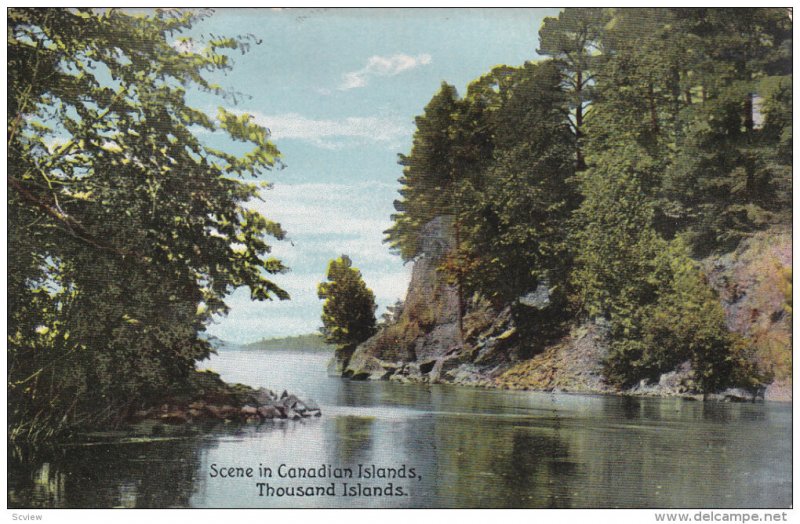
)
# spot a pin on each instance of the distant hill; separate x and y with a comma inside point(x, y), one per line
point(309, 342)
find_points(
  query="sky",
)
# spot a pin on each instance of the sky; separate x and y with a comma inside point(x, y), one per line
point(339, 90)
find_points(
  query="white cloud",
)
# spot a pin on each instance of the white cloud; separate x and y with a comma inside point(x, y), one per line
point(185, 45)
point(323, 220)
point(349, 213)
point(382, 66)
point(334, 134)
point(389, 287)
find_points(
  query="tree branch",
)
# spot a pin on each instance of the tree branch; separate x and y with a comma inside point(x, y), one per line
point(73, 227)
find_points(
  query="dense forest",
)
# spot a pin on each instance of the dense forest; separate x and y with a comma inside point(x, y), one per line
point(644, 141)
point(125, 232)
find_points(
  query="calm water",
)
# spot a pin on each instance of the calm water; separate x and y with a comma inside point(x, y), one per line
point(468, 447)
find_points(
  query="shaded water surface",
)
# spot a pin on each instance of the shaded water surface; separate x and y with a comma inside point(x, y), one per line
point(468, 448)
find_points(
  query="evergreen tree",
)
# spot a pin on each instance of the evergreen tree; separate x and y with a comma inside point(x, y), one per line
point(428, 175)
point(515, 214)
point(728, 176)
point(348, 313)
point(573, 40)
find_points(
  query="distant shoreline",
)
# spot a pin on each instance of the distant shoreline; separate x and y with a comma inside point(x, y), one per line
point(308, 343)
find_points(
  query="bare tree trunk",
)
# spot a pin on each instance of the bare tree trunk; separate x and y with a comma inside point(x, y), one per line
point(580, 165)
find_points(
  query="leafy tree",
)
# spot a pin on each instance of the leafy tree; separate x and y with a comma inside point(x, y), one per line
point(615, 243)
point(348, 313)
point(685, 323)
point(125, 231)
point(515, 214)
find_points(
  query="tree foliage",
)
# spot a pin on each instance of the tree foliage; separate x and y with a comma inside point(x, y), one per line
point(348, 313)
point(514, 214)
point(125, 230)
point(649, 136)
point(573, 40)
point(428, 174)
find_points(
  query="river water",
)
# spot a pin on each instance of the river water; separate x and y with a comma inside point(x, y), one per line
point(469, 448)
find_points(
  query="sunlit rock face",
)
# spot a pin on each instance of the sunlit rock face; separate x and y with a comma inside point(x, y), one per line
point(425, 342)
point(426, 328)
point(755, 284)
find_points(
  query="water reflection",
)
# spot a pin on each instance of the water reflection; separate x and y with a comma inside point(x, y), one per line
point(153, 475)
point(468, 447)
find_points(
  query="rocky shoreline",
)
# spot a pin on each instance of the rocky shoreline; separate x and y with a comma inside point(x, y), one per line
point(267, 405)
point(670, 385)
point(425, 342)
point(211, 399)
point(572, 365)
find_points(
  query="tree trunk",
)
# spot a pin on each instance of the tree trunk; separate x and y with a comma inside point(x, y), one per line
point(580, 165)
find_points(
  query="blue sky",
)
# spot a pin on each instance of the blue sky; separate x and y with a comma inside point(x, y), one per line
point(339, 89)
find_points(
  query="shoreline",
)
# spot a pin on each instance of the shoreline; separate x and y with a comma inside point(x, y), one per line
point(490, 382)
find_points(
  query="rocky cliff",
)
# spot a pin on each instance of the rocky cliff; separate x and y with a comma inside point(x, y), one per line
point(424, 342)
point(754, 283)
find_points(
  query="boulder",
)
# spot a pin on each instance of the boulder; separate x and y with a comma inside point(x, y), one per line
point(367, 367)
point(741, 395)
point(289, 401)
point(264, 396)
point(222, 412)
point(293, 415)
point(538, 298)
point(311, 405)
point(268, 412)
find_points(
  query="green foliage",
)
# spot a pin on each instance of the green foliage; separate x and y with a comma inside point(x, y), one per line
point(348, 313)
point(574, 41)
point(125, 231)
point(616, 245)
point(428, 175)
point(673, 149)
point(650, 135)
point(685, 322)
point(513, 217)
point(730, 175)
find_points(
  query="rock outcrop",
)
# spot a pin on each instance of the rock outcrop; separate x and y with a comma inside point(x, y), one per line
point(425, 342)
point(213, 399)
point(574, 364)
point(755, 285)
